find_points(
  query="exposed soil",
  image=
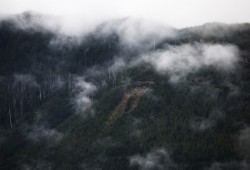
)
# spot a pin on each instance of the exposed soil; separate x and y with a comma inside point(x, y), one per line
point(133, 94)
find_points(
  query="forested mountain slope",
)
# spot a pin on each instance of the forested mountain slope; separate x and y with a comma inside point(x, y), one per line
point(124, 97)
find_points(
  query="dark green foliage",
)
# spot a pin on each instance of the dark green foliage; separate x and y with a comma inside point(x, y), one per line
point(197, 120)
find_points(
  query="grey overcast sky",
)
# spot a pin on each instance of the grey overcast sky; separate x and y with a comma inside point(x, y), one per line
point(177, 13)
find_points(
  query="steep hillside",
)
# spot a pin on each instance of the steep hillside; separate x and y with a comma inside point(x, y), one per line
point(161, 100)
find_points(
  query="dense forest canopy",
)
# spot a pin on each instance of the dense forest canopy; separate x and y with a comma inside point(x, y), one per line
point(124, 96)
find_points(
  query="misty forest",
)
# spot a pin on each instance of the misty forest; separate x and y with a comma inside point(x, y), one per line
point(125, 95)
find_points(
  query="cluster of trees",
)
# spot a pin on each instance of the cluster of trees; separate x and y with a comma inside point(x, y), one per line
point(195, 120)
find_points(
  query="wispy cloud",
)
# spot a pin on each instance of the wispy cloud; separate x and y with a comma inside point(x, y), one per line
point(201, 124)
point(25, 80)
point(138, 33)
point(244, 142)
point(217, 30)
point(41, 132)
point(33, 21)
point(241, 165)
point(83, 91)
point(178, 61)
point(156, 159)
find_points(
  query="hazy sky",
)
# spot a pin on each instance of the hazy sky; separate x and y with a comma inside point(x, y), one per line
point(178, 13)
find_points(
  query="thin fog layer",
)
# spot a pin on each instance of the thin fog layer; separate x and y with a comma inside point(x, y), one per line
point(244, 142)
point(138, 33)
point(156, 159)
point(201, 124)
point(217, 30)
point(83, 91)
point(39, 132)
point(241, 165)
point(34, 21)
point(178, 61)
point(25, 79)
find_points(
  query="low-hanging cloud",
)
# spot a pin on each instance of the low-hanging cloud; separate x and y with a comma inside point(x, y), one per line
point(241, 165)
point(178, 61)
point(138, 33)
point(217, 30)
point(25, 80)
point(39, 132)
point(244, 142)
point(83, 90)
point(201, 124)
point(33, 21)
point(156, 159)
